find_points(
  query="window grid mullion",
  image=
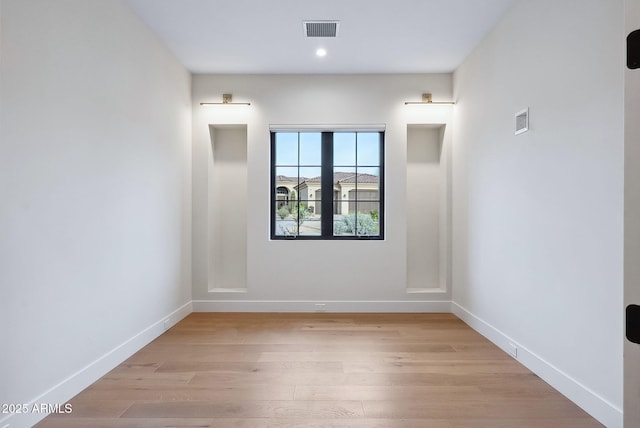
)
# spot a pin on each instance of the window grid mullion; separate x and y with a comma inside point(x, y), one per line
point(326, 183)
point(381, 184)
point(355, 231)
point(298, 196)
point(274, 170)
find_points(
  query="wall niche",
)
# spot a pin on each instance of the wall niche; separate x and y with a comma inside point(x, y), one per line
point(228, 209)
point(428, 169)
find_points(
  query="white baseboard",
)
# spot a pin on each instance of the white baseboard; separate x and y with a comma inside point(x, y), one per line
point(598, 407)
point(84, 377)
point(311, 306)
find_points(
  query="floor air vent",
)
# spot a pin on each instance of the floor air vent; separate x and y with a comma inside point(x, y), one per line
point(321, 28)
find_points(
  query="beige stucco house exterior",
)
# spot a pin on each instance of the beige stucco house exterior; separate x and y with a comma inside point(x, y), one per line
point(350, 190)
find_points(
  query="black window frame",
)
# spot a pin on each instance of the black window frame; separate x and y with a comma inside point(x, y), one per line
point(327, 195)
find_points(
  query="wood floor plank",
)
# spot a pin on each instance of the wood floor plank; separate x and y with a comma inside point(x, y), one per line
point(242, 423)
point(207, 379)
point(212, 393)
point(329, 423)
point(419, 409)
point(435, 366)
point(361, 379)
point(247, 409)
point(382, 357)
point(257, 367)
point(126, 423)
point(372, 393)
point(526, 423)
point(129, 379)
point(237, 348)
point(292, 370)
point(191, 354)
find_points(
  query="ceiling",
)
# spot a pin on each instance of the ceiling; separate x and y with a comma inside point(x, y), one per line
point(267, 36)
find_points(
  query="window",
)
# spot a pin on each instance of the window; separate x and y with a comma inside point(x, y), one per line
point(327, 185)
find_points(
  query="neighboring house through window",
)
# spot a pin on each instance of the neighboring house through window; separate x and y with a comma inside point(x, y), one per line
point(327, 185)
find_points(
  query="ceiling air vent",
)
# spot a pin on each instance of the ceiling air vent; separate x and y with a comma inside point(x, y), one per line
point(522, 121)
point(321, 28)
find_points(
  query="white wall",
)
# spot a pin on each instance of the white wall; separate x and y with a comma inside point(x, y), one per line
point(537, 218)
point(292, 275)
point(95, 135)
point(632, 223)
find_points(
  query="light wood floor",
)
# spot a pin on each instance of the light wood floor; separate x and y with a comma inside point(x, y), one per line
point(321, 371)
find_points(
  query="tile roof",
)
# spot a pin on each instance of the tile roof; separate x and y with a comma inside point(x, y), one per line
point(351, 178)
point(343, 177)
point(285, 178)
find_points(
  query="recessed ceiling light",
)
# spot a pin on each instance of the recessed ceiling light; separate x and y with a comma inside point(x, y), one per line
point(321, 52)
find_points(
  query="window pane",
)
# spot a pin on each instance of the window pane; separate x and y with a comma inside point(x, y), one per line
point(362, 196)
point(344, 182)
point(368, 183)
point(315, 206)
point(286, 175)
point(311, 148)
point(367, 219)
point(368, 148)
point(287, 148)
point(344, 179)
point(344, 148)
point(285, 220)
point(352, 207)
point(364, 222)
point(343, 223)
point(309, 221)
point(286, 183)
point(310, 181)
point(310, 174)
